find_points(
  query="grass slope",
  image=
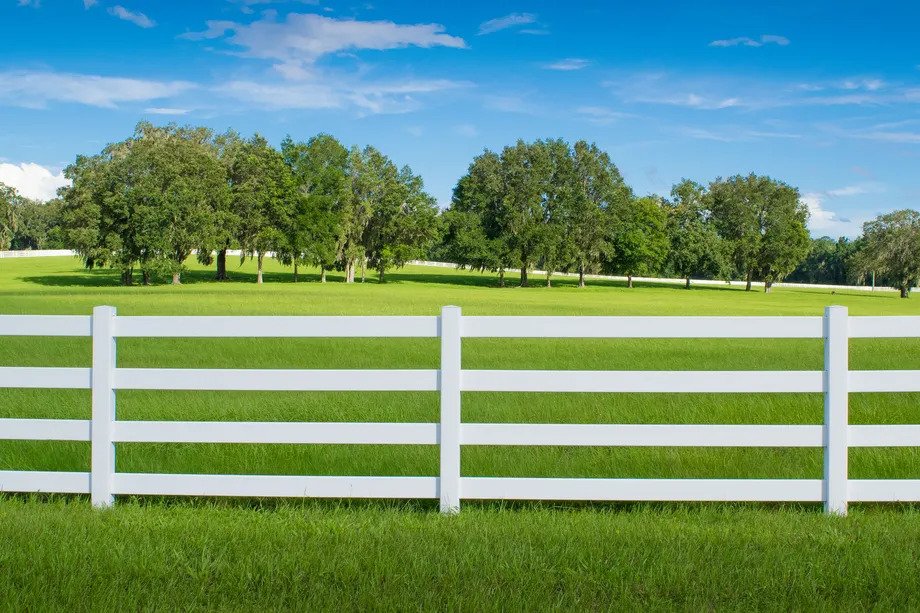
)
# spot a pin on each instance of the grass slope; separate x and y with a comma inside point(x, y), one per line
point(381, 555)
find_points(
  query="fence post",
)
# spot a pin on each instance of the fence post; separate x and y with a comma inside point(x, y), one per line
point(449, 432)
point(836, 390)
point(103, 450)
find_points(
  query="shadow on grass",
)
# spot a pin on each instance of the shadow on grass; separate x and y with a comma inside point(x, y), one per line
point(431, 506)
point(106, 277)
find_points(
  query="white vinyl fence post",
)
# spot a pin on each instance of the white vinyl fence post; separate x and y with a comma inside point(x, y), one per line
point(449, 384)
point(836, 369)
point(103, 450)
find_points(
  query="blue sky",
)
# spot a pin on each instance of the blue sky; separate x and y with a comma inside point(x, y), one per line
point(824, 95)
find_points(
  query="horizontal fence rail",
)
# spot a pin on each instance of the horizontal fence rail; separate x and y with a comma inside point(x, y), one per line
point(104, 379)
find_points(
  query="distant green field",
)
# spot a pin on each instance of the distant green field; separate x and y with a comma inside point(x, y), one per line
point(506, 549)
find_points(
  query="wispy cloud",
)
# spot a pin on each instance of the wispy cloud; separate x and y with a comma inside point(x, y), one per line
point(301, 39)
point(88, 4)
point(512, 20)
point(37, 88)
point(600, 115)
point(162, 110)
point(366, 98)
point(744, 41)
point(138, 19)
point(715, 92)
point(571, 63)
point(32, 180)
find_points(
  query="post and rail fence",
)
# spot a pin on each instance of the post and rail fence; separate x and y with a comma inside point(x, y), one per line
point(103, 431)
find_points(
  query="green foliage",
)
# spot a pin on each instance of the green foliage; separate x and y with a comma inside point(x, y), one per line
point(9, 199)
point(829, 261)
point(543, 203)
point(696, 249)
point(638, 236)
point(38, 225)
point(764, 223)
point(891, 247)
point(319, 169)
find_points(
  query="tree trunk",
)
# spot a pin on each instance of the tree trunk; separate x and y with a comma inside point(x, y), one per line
point(363, 269)
point(322, 274)
point(581, 277)
point(177, 280)
point(687, 286)
point(629, 281)
point(127, 276)
point(523, 276)
point(501, 277)
point(259, 257)
point(380, 274)
point(549, 282)
point(748, 288)
point(221, 265)
point(145, 275)
point(349, 270)
point(905, 291)
point(767, 286)
point(295, 271)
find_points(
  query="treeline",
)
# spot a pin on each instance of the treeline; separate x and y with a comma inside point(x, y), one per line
point(564, 207)
point(146, 204)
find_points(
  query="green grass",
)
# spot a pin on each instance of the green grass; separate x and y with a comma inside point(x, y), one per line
point(320, 554)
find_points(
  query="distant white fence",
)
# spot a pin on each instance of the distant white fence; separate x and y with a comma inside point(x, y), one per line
point(697, 282)
point(104, 378)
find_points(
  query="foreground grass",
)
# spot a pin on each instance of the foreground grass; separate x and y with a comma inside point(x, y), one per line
point(60, 554)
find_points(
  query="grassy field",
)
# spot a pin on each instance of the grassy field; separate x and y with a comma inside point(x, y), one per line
point(237, 554)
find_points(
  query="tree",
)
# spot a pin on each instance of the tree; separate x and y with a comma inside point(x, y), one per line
point(175, 179)
point(404, 223)
point(38, 224)
point(695, 247)
point(891, 248)
point(9, 199)
point(261, 192)
point(764, 224)
point(639, 240)
point(319, 170)
point(475, 235)
point(97, 219)
point(560, 190)
point(525, 168)
point(363, 192)
point(828, 261)
point(599, 187)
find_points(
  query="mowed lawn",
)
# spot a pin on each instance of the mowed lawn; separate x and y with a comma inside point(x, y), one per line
point(308, 554)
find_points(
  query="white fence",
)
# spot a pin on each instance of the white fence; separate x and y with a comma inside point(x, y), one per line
point(104, 378)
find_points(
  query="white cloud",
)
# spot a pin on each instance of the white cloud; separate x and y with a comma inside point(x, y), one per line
point(508, 21)
point(88, 4)
point(822, 221)
point(849, 190)
point(302, 39)
point(744, 41)
point(715, 92)
point(368, 98)
point(32, 180)
point(911, 138)
point(572, 63)
point(600, 115)
point(138, 19)
point(161, 110)
point(35, 89)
